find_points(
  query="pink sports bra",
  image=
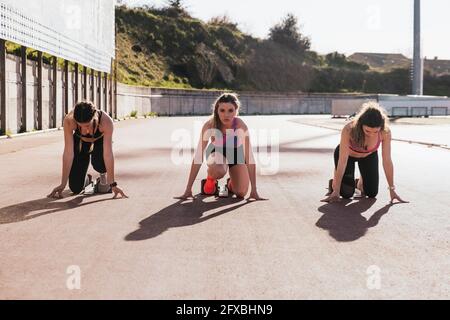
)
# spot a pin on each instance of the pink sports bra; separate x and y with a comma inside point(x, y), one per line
point(357, 149)
point(228, 139)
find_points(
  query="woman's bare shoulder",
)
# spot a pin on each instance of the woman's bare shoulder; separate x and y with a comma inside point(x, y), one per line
point(348, 128)
point(69, 121)
point(386, 134)
point(106, 119)
point(240, 124)
point(208, 124)
point(69, 115)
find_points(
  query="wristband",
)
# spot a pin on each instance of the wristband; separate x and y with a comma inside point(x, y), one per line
point(391, 188)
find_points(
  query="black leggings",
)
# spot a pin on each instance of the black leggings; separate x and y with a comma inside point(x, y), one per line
point(368, 168)
point(234, 156)
point(81, 161)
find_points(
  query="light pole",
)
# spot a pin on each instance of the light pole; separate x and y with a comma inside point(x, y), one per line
point(417, 83)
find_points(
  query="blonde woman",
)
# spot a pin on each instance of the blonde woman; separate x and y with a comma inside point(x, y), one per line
point(360, 140)
point(229, 150)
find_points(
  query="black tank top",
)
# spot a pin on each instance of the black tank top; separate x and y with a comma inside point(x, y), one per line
point(89, 138)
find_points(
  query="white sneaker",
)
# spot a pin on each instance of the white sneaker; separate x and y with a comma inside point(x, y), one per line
point(103, 178)
point(223, 191)
point(88, 185)
point(101, 185)
point(89, 189)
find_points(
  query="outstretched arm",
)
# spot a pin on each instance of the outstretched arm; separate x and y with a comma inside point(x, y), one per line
point(388, 166)
point(196, 162)
point(251, 164)
point(342, 164)
point(67, 158)
point(108, 155)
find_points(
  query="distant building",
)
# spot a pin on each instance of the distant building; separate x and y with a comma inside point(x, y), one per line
point(437, 67)
point(385, 62)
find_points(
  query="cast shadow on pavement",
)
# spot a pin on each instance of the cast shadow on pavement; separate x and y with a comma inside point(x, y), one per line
point(345, 221)
point(39, 207)
point(183, 213)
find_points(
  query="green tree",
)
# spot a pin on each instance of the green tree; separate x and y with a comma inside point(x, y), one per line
point(176, 8)
point(287, 33)
point(177, 4)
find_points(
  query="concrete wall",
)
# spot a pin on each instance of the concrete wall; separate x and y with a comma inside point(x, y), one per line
point(171, 102)
point(130, 98)
point(175, 102)
point(414, 106)
point(14, 96)
point(51, 114)
point(345, 107)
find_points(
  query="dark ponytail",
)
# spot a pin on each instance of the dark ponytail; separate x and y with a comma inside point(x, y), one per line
point(84, 111)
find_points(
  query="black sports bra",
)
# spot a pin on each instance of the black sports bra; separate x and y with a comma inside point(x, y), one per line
point(88, 138)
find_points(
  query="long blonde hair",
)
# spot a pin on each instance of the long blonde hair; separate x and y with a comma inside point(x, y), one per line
point(223, 98)
point(372, 115)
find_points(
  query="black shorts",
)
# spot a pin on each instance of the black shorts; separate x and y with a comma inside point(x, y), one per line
point(368, 167)
point(233, 156)
point(81, 161)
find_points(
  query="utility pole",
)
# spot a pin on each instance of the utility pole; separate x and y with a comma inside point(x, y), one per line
point(417, 83)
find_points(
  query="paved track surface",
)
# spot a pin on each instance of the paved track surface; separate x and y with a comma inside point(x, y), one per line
point(151, 246)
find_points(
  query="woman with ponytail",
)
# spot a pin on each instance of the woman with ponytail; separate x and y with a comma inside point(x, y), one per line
point(229, 151)
point(360, 140)
point(87, 138)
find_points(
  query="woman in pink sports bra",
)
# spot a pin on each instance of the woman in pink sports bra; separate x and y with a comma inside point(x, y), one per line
point(229, 151)
point(360, 140)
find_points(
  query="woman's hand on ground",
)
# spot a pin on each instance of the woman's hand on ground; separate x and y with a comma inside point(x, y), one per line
point(117, 191)
point(254, 195)
point(186, 195)
point(333, 197)
point(57, 192)
point(394, 196)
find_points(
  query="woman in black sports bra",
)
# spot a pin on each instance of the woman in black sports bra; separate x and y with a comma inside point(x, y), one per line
point(87, 138)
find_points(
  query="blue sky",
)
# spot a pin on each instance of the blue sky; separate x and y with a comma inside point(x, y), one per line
point(346, 26)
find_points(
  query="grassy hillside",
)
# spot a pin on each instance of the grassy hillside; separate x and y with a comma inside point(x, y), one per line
point(158, 49)
point(163, 47)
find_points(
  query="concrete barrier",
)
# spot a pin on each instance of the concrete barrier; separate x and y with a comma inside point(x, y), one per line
point(52, 110)
point(346, 107)
point(395, 106)
point(414, 106)
point(14, 116)
point(178, 102)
